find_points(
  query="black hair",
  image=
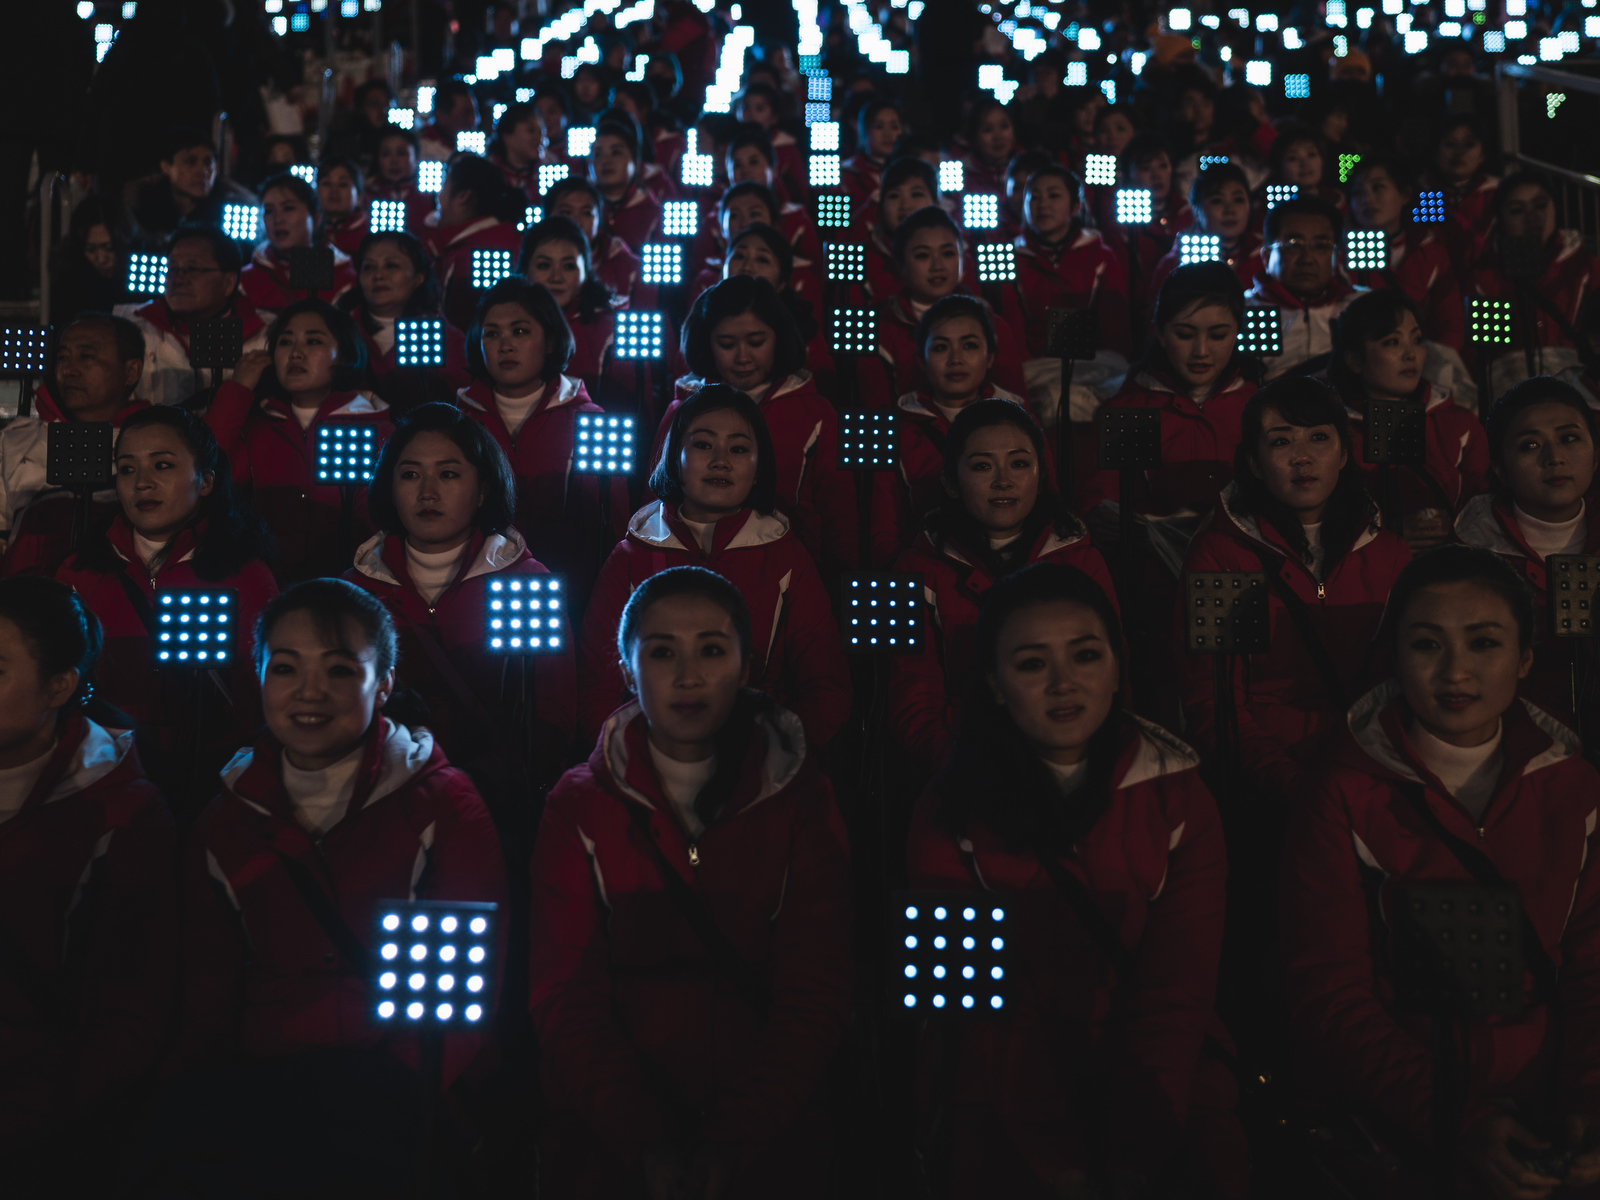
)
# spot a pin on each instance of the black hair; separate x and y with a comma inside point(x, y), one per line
point(594, 296)
point(1302, 206)
point(1116, 110)
point(753, 134)
point(95, 209)
point(768, 93)
point(62, 633)
point(627, 134)
point(551, 90)
point(903, 170)
point(1293, 135)
point(335, 162)
point(1073, 184)
point(572, 183)
point(127, 336)
point(224, 250)
point(1404, 176)
point(976, 115)
point(931, 216)
point(535, 300)
point(1541, 389)
point(492, 196)
point(666, 480)
point(1304, 402)
point(1212, 180)
point(1026, 162)
point(394, 131)
point(1141, 148)
point(948, 308)
point(450, 91)
point(514, 115)
point(350, 352)
point(1367, 318)
point(639, 93)
point(363, 90)
point(296, 187)
point(1196, 285)
point(644, 150)
point(184, 137)
point(332, 602)
point(995, 777)
point(870, 112)
point(424, 302)
point(1502, 194)
point(749, 188)
point(732, 297)
point(1457, 563)
point(776, 242)
point(478, 448)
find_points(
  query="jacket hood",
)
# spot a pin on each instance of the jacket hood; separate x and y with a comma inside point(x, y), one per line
point(100, 752)
point(1156, 753)
point(1250, 526)
point(918, 405)
point(653, 525)
point(567, 391)
point(339, 404)
point(496, 552)
point(401, 756)
point(1481, 523)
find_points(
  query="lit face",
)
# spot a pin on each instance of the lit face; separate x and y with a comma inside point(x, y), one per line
point(686, 667)
point(932, 266)
point(883, 134)
point(997, 137)
point(717, 464)
point(958, 358)
point(1154, 173)
point(1377, 200)
point(336, 192)
point(1391, 367)
point(1529, 212)
point(755, 108)
point(196, 286)
point(100, 251)
point(899, 202)
point(997, 479)
point(1050, 207)
point(524, 141)
point(1113, 132)
point(586, 88)
point(1196, 110)
point(1459, 661)
point(1299, 464)
point(305, 355)
point(1087, 114)
point(28, 702)
point(752, 256)
point(375, 107)
point(514, 347)
point(1226, 212)
point(743, 211)
point(457, 114)
point(610, 164)
point(1460, 155)
point(192, 172)
point(436, 492)
point(559, 266)
point(287, 220)
point(744, 350)
point(582, 210)
point(320, 698)
point(746, 164)
point(1302, 257)
point(553, 118)
point(388, 279)
point(1056, 675)
point(1199, 343)
point(91, 383)
point(397, 161)
point(1548, 461)
point(157, 483)
point(1302, 165)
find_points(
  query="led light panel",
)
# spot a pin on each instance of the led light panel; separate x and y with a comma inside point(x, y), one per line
point(1135, 206)
point(241, 222)
point(638, 334)
point(680, 218)
point(526, 615)
point(311, 268)
point(699, 170)
point(867, 440)
point(1198, 248)
point(78, 454)
point(952, 175)
point(1489, 321)
point(304, 171)
point(661, 263)
point(386, 216)
point(833, 210)
point(605, 444)
point(419, 342)
point(1070, 333)
point(1262, 333)
point(22, 351)
point(1347, 163)
point(195, 627)
point(435, 963)
point(819, 87)
point(403, 118)
point(551, 174)
point(430, 176)
point(1277, 193)
point(147, 274)
point(216, 342)
point(1100, 170)
point(980, 210)
point(531, 216)
point(883, 614)
point(846, 262)
point(1226, 612)
point(855, 331)
point(471, 141)
point(825, 137)
point(1213, 160)
point(580, 140)
point(815, 111)
point(346, 454)
point(1429, 208)
point(952, 954)
point(1573, 580)
point(1127, 438)
point(1366, 249)
point(824, 170)
point(1296, 87)
point(489, 267)
point(997, 262)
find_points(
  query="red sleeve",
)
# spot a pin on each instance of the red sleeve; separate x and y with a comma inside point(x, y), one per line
point(1474, 466)
point(874, 381)
point(832, 495)
point(230, 410)
point(816, 676)
point(889, 517)
point(1579, 1069)
point(1111, 300)
point(600, 686)
point(1009, 355)
point(214, 957)
point(918, 711)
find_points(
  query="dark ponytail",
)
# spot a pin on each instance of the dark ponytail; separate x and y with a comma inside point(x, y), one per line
point(61, 633)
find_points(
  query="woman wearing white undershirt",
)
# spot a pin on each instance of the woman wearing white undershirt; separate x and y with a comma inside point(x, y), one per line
point(1542, 445)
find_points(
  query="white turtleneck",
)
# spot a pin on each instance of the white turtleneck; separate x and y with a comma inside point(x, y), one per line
point(319, 798)
point(1553, 537)
point(705, 532)
point(1068, 778)
point(682, 782)
point(1318, 554)
point(384, 338)
point(146, 549)
point(1002, 542)
point(305, 415)
point(432, 573)
point(16, 783)
point(1469, 772)
point(950, 413)
point(515, 412)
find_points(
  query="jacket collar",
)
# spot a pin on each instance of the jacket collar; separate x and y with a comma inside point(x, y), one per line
point(382, 557)
point(157, 313)
point(479, 396)
point(916, 404)
point(267, 259)
point(658, 524)
point(1077, 237)
point(180, 549)
point(1269, 538)
point(450, 235)
point(1152, 754)
point(1274, 294)
point(1152, 380)
point(337, 404)
point(84, 754)
point(48, 409)
point(690, 385)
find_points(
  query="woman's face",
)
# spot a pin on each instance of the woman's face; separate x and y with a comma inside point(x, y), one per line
point(513, 347)
point(1196, 110)
point(1299, 464)
point(1056, 676)
point(524, 141)
point(336, 191)
point(755, 108)
point(717, 464)
point(752, 256)
point(1154, 173)
point(900, 201)
point(1335, 125)
point(610, 164)
point(553, 119)
point(883, 134)
point(437, 493)
point(28, 703)
point(1548, 461)
point(743, 350)
point(586, 88)
point(157, 483)
point(100, 251)
point(1086, 115)
point(1113, 133)
point(997, 138)
point(1199, 343)
point(397, 161)
point(1459, 660)
point(305, 356)
point(559, 266)
point(1377, 200)
point(1050, 207)
point(1302, 165)
point(958, 359)
point(932, 266)
point(319, 699)
point(375, 108)
point(581, 209)
point(686, 666)
point(997, 479)
point(744, 211)
point(1226, 212)
point(288, 222)
point(1460, 155)
point(1391, 367)
point(388, 279)
point(746, 164)
point(1529, 212)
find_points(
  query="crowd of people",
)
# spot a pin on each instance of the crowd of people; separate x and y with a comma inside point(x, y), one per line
point(1228, 974)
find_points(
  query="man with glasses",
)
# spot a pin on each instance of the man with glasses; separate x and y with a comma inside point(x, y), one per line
point(1302, 282)
point(203, 266)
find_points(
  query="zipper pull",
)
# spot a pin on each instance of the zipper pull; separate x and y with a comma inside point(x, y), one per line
point(1482, 837)
point(1322, 592)
point(694, 854)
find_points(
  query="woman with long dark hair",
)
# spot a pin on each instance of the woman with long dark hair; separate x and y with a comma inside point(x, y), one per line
point(478, 210)
point(557, 255)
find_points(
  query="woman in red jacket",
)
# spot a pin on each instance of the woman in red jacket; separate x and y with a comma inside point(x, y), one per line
point(182, 525)
point(1446, 778)
point(478, 210)
point(740, 333)
point(991, 140)
point(761, 251)
point(1378, 353)
point(517, 350)
point(394, 177)
point(1460, 171)
point(717, 481)
point(289, 211)
point(997, 514)
point(345, 219)
point(878, 130)
point(1095, 828)
point(691, 912)
point(908, 184)
point(335, 810)
point(266, 420)
point(88, 904)
point(631, 212)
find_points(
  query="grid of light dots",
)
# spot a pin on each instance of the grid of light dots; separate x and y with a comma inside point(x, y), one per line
point(386, 216)
point(1347, 163)
point(403, 118)
point(240, 221)
point(680, 218)
point(638, 334)
point(22, 350)
point(846, 262)
point(867, 440)
point(825, 137)
point(1366, 249)
point(419, 342)
point(605, 444)
point(551, 174)
point(965, 948)
point(147, 274)
point(833, 211)
point(195, 626)
point(855, 331)
point(1429, 208)
point(1277, 193)
point(304, 171)
point(1135, 206)
point(531, 216)
point(1213, 160)
point(661, 263)
point(346, 454)
point(1296, 87)
point(980, 210)
point(417, 989)
point(525, 614)
point(819, 87)
point(997, 262)
point(816, 110)
point(430, 176)
point(699, 170)
point(1263, 332)
point(952, 175)
point(1100, 170)
point(489, 267)
point(1489, 321)
point(471, 141)
point(1199, 248)
point(824, 170)
point(580, 140)
point(882, 611)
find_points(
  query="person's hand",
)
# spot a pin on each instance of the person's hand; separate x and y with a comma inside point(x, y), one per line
point(1487, 1149)
point(711, 1174)
point(1073, 1184)
point(1583, 1135)
point(663, 1171)
point(1105, 526)
point(251, 368)
point(1426, 529)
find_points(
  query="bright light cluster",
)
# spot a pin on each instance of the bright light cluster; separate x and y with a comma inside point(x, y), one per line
point(825, 137)
point(551, 174)
point(1277, 193)
point(1258, 73)
point(955, 957)
point(1366, 249)
point(604, 444)
point(403, 118)
point(346, 454)
point(430, 176)
point(526, 615)
point(22, 351)
point(952, 175)
point(147, 274)
point(997, 262)
point(730, 69)
point(867, 440)
point(824, 170)
point(844, 262)
point(1100, 170)
point(580, 140)
point(471, 141)
point(980, 210)
point(1198, 248)
point(1135, 206)
point(489, 267)
point(419, 342)
point(1489, 321)
point(855, 331)
point(531, 216)
point(833, 210)
point(680, 218)
point(1429, 208)
point(194, 627)
point(1262, 333)
point(638, 334)
point(661, 263)
point(304, 172)
point(433, 962)
point(241, 222)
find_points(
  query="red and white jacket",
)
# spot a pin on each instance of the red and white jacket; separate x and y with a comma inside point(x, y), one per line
point(1456, 466)
point(1286, 718)
point(419, 205)
point(635, 217)
point(1093, 1071)
point(1571, 273)
point(799, 658)
point(265, 281)
point(88, 895)
point(895, 370)
point(346, 233)
point(404, 388)
point(1245, 260)
point(1307, 324)
point(1082, 272)
point(169, 377)
point(617, 266)
point(1420, 266)
point(861, 177)
point(1356, 843)
point(451, 248)
point(642, 1034)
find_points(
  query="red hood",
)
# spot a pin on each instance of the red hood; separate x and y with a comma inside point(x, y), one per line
point(158, 314)
point(46, 407)
point(1269, 289)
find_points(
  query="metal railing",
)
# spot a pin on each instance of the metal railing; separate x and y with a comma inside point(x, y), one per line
point(1577, 195)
